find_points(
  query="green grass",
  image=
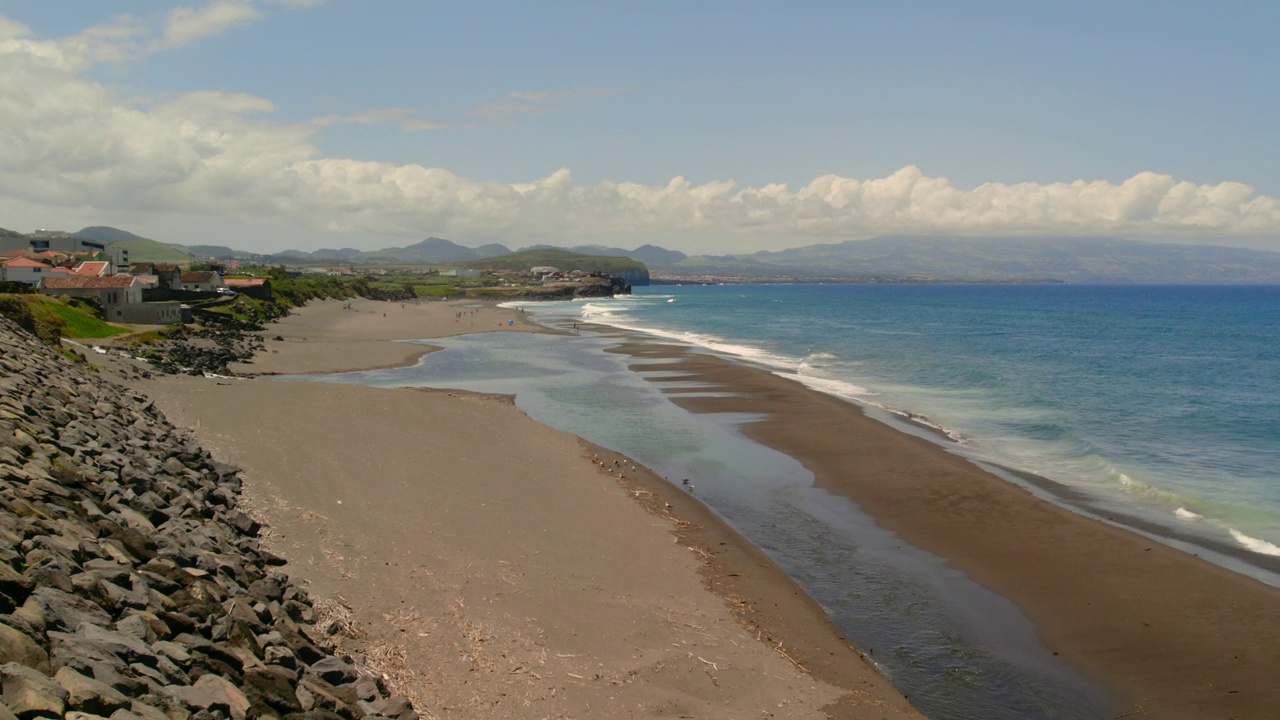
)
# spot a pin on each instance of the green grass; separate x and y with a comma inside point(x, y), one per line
point(71, 317)
point(145, 250)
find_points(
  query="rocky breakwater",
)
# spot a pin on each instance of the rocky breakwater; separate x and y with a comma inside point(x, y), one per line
point(131, 585)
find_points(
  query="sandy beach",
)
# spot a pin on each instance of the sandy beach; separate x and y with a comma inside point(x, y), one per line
point(1170, 634)
point(496, 567)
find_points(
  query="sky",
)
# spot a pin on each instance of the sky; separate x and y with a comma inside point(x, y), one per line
point(706, 126)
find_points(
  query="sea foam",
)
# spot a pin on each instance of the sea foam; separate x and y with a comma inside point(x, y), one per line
point(1261, 547)
point(838, 388)
point(608, 316)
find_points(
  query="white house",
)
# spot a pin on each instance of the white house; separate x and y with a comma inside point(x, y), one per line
point(24, 270)
point(111, 291)
point(202, 280)
point(120, 296)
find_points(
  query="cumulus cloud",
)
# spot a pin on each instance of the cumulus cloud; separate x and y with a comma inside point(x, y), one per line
point(10, 29)
point(185, 24)
point(67, 141)
point(128, 37)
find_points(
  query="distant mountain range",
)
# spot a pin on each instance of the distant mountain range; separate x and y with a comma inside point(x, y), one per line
point(1067, 259)
point(918, 258)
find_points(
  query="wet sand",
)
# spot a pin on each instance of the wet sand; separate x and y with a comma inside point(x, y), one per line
point(495, 567)
point(1172, 635)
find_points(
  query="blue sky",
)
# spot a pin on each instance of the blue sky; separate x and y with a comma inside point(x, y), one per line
point(707, 126)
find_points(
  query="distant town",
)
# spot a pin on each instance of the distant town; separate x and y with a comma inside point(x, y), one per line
point(144, 292)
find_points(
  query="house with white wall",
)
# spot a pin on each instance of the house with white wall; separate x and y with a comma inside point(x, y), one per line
point(24, 270)
point(120, 296)
point(202, 280)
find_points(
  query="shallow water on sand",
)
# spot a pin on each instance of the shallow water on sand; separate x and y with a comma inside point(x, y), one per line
point(956, 650)
point(1160, 404)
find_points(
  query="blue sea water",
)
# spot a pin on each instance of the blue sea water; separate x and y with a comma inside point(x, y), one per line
point(1155, 403)
point(1162, 402)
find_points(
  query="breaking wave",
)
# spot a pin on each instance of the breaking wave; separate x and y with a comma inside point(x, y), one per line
point(1261, 547)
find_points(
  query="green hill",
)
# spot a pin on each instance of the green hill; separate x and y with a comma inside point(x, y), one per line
point(436, 250)
point(143, 250)
point(140, 249)
point(556, 257)
point(633, 271)
point(104, 234)
point(217, 252)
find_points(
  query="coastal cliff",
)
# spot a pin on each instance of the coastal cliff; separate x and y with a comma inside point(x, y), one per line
point(131, 584)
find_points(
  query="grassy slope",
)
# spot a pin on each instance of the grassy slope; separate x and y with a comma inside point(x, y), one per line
point(144, 250)
point(70, 318)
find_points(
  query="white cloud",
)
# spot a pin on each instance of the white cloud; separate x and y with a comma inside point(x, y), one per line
point(128, 37)
point(11, 29)
point(211, 105)
point(400, 116)
point(111, 42)
point(185, 24)
point(69, 142)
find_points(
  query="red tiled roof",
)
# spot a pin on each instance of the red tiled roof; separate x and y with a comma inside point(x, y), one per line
point(23, 262)
point(245, 282)
point(92, 268)
point(80, 282)
point(198, 276)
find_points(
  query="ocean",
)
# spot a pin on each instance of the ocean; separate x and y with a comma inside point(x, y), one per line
point(1159, 406)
